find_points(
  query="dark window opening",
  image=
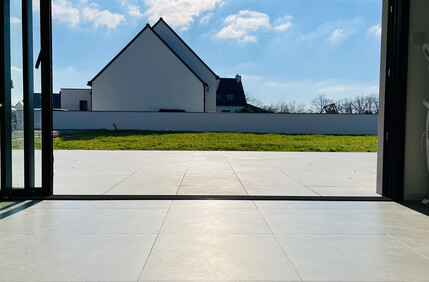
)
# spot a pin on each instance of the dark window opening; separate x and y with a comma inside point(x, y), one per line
point(218, 97)
point(83, 105)
point(230, 97)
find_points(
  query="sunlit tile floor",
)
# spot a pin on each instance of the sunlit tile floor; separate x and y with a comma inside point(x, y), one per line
point(215, 173)
point(212, 240)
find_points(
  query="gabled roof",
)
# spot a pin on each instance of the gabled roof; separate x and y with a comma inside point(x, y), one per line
point(234, 87)
point(132, 41)
point(186, 45)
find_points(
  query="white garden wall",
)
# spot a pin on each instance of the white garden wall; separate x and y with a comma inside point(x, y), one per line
point(233, 122)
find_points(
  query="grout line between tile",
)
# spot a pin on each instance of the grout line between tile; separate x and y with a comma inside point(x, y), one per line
point(242, 185)
point(128, 176)
point(186, 171)
point(278, 242)
point(298, 181)
point(154, 242)
point(408, 247)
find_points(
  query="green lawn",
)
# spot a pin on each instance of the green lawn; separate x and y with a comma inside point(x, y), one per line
point(150, 140)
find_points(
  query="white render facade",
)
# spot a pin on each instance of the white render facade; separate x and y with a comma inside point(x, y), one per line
point(150, 74)
point(73, 99)
point(192, 60)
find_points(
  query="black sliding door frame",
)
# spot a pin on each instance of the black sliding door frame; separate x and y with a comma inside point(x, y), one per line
point(395, 99)
point(29, 190)
point(394, 117)
point(5, 99)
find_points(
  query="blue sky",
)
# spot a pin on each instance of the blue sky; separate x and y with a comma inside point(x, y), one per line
point(285, 49)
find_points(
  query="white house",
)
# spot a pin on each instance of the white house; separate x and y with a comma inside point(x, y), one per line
point(192, 60)
point(156, 71)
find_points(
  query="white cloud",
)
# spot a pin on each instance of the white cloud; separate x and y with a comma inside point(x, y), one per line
point(14, 20)
point(134, 11)
point(102, 18)
point(178, 13)
point(335, 32)
point(284, 23)
point(16, 69)
point(375, 30)
point(63, 11)
point(206, 18)
point(337, 36)
point(36, 6)
point(244, 25)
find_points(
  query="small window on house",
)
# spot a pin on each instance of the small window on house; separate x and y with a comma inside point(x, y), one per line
point(218, 97)
point(230, 97)
point(83, 105)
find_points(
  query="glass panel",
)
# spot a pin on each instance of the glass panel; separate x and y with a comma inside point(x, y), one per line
point(17, 95)
point(37, 97)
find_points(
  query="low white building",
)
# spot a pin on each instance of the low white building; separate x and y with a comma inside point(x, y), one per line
point(75, 99)
point(156, 71)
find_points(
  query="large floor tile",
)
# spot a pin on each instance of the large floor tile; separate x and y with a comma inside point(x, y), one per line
point(214, 173)
point(348, 205)
point(218, 257)
point(32, 221)
point(213, 204)
point(416, 240)
point(361, 191)
point(128, 204)
point(201, 185)
point(9, 242)
point(111, 221)
point(341, 221)
point(208, 220)
point(82, 257)
point(353, 258)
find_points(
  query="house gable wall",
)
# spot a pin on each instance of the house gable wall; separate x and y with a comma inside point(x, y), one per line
point(192, 60)
point(147, 76)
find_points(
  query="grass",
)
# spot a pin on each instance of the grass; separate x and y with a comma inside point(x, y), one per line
point(151, 140)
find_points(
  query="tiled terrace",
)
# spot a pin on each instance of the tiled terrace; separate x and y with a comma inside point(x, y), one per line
point(213, 240)
point(214, 173)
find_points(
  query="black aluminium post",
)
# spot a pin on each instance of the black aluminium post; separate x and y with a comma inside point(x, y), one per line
point(46, 64)
point(27, 68)
point(5, 99)
point(395, 99)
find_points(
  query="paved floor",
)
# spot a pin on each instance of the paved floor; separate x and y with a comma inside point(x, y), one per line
point(213, 240)
point(214, 173)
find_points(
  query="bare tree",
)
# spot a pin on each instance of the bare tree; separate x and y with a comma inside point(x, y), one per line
point(320, 102)
point(373, 102)
point(345, 106)
point(291, 108)
point(251, 99)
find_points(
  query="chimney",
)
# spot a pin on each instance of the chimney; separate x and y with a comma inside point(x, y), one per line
point(238, 78)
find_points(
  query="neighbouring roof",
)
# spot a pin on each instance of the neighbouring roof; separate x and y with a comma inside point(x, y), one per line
point(256, 109)
point(56, 100)
point(186, 45)
point(230, 86)
point(147, 27)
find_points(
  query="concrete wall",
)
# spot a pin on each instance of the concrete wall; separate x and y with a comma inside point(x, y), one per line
point(70, 98)
point(260, 123)
point(416, 181)
point(147, 76)
point(177, 45)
